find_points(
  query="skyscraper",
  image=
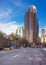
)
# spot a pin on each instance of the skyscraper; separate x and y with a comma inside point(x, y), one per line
point(19, 31)
point(42, 32)
point(31, 25)
point(43, 36)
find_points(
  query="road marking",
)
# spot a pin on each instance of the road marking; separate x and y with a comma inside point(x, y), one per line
point(44, 49)
point(16, 55)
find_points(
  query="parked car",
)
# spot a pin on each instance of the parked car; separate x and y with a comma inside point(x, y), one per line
point(1, 48)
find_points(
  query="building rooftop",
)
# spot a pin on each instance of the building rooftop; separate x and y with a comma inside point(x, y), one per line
point(33, 7)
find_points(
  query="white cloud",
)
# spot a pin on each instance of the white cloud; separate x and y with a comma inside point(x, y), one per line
point(5, 13)
point(40, 33)
point(8, 27)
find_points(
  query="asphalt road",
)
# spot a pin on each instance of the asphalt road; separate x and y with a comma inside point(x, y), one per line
point(27, 56)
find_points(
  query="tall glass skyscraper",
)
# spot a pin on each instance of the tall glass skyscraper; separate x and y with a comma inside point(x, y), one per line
point(31, 25)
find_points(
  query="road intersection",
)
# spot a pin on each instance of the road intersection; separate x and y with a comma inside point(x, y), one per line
point(26, 56)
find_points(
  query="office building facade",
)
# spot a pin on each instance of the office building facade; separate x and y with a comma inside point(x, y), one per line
point(19, 31)
point(42, 32)
point(31, 25)
point(43, 36)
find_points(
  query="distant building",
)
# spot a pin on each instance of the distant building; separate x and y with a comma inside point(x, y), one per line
point(12, 35)
point(42, 32)
point(43, 36)
point(19, 31)
point(43, 39)
point(31, 25)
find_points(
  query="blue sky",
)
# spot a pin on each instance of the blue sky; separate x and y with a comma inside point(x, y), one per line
point(12, 13)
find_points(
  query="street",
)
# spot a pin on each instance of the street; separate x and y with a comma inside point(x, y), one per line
point(26, 56)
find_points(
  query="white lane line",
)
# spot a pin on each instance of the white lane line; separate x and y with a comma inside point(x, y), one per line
point(16, 55)
point(44, 49)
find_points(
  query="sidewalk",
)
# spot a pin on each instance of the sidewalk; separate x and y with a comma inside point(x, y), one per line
point(3, 52)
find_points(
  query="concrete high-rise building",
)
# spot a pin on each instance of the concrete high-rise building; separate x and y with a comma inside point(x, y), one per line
point(43, 36)
point(19, 31)
point(31, 25)
point(42, 32)
point(43, 39)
